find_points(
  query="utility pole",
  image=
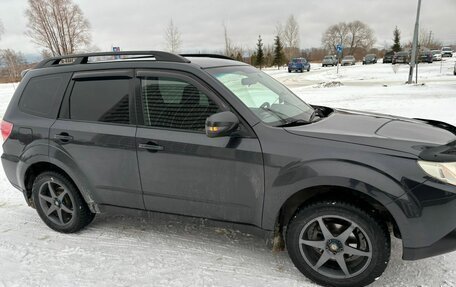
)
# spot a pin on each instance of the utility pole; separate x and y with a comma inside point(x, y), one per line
point(415, 44)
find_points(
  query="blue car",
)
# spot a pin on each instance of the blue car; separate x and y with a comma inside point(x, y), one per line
point(299, 65)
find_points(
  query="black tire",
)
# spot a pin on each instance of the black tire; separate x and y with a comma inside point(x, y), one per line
point(321, 265)
point(308, 70)
point(289, 71)
point(59, 203)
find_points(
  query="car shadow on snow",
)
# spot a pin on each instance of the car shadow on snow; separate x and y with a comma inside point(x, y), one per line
point(213, 239)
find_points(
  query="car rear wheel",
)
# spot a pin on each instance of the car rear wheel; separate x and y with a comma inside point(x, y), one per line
point(338, 244)
point(59, 203)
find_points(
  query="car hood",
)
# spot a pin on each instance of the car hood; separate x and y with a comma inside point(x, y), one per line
point(412, 136)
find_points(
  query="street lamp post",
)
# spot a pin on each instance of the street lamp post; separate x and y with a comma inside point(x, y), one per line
point(415, 45)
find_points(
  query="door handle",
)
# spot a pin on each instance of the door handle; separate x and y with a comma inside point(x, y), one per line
point(63, 137)
point(151, 146)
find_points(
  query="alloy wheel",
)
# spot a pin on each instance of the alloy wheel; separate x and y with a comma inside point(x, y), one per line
point(335, 247)
point(56, 202)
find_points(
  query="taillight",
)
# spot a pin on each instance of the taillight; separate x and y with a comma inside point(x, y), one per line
point(6, 129)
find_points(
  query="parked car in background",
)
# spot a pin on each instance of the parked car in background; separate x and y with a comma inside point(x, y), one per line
point(298, 65)
point(447, 52)
point(370, 59)
point(388, 58)
point(402, 57)
point(426, 57)
point(348, 61)
point(436, 55)
point(454, 71)
point(329, 60)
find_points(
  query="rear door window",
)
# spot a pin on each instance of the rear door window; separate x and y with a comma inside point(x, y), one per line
point(105, 100)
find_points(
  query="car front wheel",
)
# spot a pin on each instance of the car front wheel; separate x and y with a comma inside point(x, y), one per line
point(338, 244)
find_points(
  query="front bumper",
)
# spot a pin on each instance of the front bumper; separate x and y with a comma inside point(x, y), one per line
point(427, 220)
point(444, 245)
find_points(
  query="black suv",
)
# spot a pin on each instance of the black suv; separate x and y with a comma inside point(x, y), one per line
point(207, 136)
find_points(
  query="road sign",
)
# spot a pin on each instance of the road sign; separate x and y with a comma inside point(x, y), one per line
point(116, 49)
point(339, 48)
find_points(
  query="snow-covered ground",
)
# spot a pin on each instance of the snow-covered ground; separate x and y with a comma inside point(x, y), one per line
point(130, 251)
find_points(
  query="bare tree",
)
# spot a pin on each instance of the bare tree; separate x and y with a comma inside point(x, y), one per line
point(232, 50)
point(334, 35)
point(427, 40)
point(360, 35)
point(291, 37)
point(351, 35)
point(57, 25)
point(229, 50)
point(172, 38)
point(14, 63)
point(279, 30)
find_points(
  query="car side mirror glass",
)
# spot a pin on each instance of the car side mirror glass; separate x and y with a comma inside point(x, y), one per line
point(221, 124)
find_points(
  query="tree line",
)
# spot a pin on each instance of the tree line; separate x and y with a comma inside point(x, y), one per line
point(60, 28)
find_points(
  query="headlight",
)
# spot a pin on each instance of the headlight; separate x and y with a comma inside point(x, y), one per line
point(443, 171)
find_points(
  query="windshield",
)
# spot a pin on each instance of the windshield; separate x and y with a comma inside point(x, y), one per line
point(348, 58)
point(272, 102)
point(446, 49)
point(328, 57)
point(370, 56)
point(434, 52)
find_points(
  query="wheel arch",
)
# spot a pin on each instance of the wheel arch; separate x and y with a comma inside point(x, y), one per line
point(334, 193)
point(38, 167)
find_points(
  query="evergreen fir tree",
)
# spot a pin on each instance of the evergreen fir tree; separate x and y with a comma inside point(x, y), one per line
point(397, 41)
point(279, 55)
point(259, 62)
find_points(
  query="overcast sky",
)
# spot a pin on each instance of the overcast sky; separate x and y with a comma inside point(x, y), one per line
point(140, 24)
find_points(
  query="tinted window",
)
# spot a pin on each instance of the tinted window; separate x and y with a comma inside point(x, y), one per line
point(176, 104)
point(101, 100)
point(41, 96)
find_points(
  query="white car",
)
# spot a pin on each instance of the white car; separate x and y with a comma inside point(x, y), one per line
point(348, 61)
point(447, 52)
point(436, 55)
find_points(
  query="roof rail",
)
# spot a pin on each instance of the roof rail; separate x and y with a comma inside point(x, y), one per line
point(84, 58)
point(207, 56)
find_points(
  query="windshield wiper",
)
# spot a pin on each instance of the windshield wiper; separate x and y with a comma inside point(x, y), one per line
point(282, 117)
point(300, 122)
point(294, 123)
point(288, 122)
point(312, 116)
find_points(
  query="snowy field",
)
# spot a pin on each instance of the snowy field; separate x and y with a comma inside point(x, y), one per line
point(131, 251)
